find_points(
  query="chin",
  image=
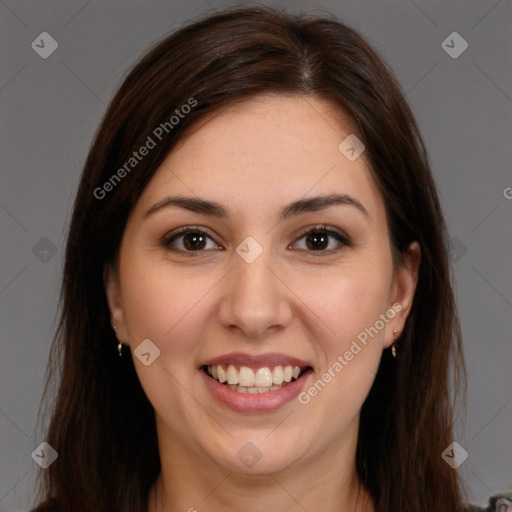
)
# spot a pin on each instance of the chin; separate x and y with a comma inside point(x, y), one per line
point(256, 457)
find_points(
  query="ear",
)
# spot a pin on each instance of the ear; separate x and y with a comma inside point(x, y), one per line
point(115, 302)
point(402, 291)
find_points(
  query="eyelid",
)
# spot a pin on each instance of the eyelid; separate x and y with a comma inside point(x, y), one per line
point(324, 228)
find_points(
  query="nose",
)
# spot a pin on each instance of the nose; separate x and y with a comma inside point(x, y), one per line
point(255, 299)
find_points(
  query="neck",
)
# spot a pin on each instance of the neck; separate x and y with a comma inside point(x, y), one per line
point(193, 483)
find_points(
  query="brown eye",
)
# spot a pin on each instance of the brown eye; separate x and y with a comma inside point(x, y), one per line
point(188, 240)
point(193, 241)
point(320, 239)
point(317, 240)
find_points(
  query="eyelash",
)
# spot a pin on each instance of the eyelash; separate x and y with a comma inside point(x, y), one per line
point(344, 240)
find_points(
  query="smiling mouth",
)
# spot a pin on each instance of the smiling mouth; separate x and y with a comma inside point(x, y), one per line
point(261, 380)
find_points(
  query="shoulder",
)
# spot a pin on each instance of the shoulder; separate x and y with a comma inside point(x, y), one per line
point(497, 503)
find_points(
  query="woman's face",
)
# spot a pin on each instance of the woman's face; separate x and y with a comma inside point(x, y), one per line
point(247, 293)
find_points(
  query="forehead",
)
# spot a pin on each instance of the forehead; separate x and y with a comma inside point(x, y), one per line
point(270, 149)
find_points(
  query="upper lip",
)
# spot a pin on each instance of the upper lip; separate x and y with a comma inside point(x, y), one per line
point(256, 361)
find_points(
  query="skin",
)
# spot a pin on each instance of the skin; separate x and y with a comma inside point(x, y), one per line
point(254, 158)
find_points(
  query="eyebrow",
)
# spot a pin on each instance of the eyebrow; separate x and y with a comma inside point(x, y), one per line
point(214, 209)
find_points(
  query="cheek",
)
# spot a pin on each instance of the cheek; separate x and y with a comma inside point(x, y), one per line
point(346, 302)
point(350, 356)
point(164, 305)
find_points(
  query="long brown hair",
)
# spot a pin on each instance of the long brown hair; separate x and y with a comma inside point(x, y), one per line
point(102, 425)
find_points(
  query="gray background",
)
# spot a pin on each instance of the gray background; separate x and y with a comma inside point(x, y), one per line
point(51, 107)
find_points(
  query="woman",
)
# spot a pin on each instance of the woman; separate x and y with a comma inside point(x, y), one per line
point(256, 306)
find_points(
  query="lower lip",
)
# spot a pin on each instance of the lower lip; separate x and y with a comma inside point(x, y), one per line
point(257, 402)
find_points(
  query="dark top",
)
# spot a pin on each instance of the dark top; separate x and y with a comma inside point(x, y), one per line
point(497, 503)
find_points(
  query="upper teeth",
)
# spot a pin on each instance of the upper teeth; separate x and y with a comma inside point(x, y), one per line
point(262, 377)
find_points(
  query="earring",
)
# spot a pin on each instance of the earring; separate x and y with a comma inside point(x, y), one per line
point(393, 347)
point(119, 345)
